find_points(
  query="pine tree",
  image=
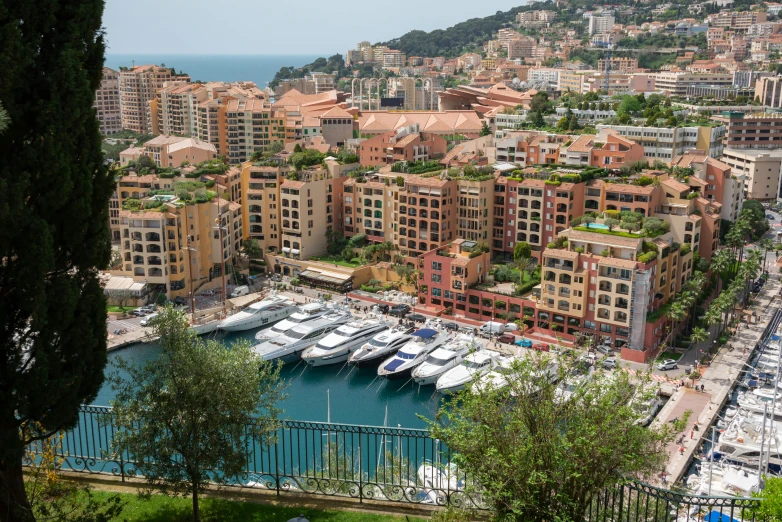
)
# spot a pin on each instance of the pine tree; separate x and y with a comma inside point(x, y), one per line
point(54, 195)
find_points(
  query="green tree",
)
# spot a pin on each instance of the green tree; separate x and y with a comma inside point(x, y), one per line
point(629, 105)
point(611, 223)
point(765, 244)
point(54, 188)
point(145, 162)
point(521, 250)
point(163, 421)
point(546, 457)
point(251, 249)
point(485, 130)
point(699, 335)
point(771, 500)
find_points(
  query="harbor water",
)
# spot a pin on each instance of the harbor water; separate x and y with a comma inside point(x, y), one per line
point(320, 393)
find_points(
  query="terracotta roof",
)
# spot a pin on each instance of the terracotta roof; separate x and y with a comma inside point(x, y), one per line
point(336, 112)
point(406, 141)
point(686, 160)
point(564, 254)
point(293, 184)
point(584, 143)
point(675, 185)
point(378, 122)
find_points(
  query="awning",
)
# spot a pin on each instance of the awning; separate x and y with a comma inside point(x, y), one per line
point(286, 249)
point(331, 278)
point(425, 333)
point(294, 251)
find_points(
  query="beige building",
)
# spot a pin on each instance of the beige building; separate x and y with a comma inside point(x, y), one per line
point(769, 91)
point(677, 83)
point(173, 151)
point(252, 126)
point(138, 86)
point(107, 103)
point(175, 108)
point(761, 168)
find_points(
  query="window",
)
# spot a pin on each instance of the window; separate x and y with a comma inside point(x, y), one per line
point(448, 294)
point(437, 278)
point(437, 266)
point(605, 328)
point(590, 325)
point(436, 292)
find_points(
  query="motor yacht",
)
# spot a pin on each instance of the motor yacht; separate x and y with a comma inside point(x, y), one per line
point(422, 343)
point(473, 366)
point(570, 385)
point(723, 479)
point(204, 325)
point(444, 358)
point(289, 346)
point(497, 378)
point(265, 312)
point(756, 404)
point(342, 342)
point(381, 346)
point(302, 314)
point(740, 443)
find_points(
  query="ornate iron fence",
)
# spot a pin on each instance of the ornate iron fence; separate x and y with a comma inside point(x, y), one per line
point(379, 463)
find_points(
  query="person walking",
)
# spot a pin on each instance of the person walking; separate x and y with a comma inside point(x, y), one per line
point(692, 434)
point(681, 450)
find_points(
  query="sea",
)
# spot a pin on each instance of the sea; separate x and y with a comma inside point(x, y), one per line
point(321, 393)
point(258, 68)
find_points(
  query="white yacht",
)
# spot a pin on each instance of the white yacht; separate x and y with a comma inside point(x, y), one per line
point(289, 347)
point(497, 378)
point(265, 312)
point(381, 346)
point(423, 342)
point(302, 314)
point(204, 325)
point(472, 367)
point(444, 358)
point(740, 442)
point(756, 404)
point(342, 342)
point(727, 480)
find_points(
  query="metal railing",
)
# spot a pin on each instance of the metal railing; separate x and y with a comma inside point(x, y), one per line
point(379, 463)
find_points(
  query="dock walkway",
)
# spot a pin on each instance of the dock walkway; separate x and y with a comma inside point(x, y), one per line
point(718, 379)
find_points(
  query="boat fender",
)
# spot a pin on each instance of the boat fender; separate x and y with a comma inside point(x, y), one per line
point(740, 440)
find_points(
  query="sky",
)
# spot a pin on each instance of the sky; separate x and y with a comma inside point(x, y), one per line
point(276, 27)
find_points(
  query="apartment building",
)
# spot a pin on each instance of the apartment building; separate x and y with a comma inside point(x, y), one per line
point(138, 86)
point(768, 91)
point(393, 59)
point(175, 243)
point(107, 105)
point(447, 272)
point(534, 19)
point(537, 75)
point(752, 131)
point(668, 142)
point(260, 187)
point(716, 181)
point(252, 126)
point(618, 64)
point(601, 24)
point(574, 81)
point(761, 169)
point(171, 151)
point(175, 108)
point(736, 21)
point(521, 48)
point(677, 83)
point(406, 144)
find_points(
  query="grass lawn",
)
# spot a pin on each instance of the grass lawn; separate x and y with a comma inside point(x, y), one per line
point(668, 355)
point(160, 508)
point(119, 309)
point(353, 263)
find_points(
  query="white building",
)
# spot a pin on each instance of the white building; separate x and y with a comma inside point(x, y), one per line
point(666, 143)
point(601, 24)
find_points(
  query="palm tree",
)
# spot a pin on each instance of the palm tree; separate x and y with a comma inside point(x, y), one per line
point(699, 335)
point(721, 261)
point(766, 244)
point(676, 313)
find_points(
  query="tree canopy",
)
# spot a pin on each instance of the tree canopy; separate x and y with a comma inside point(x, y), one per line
point(193, 415)
point(54, 199)
point(539, 454)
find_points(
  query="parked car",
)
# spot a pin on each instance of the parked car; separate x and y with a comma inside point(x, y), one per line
point(667, 364)
point(524, 343)
point(399, 310)
point(148, 308)
point(383, 308)
point(541, 347)
point(769, 216)
point(604, 349)
point(609, 363)
point(506, 339)
point(469, 330)
point(277, 277)
point(240, 291)
point(147, 319)
point(139, 312)
point(418, 318)
point(453, 327)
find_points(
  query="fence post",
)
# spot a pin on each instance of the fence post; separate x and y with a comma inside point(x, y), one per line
point(277, 458)
point(122, 466)
point(360, 469)
point(621, 500)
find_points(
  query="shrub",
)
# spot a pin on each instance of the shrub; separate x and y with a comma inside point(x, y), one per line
point(612, 214)
point(605, 253)
point(647, 257)
point(580, 250)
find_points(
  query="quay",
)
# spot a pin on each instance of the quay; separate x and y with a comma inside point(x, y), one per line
point(718, 379)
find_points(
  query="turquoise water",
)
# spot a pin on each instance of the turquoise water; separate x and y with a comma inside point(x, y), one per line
point(598, 225)
point(224, 68)
point(355, 398)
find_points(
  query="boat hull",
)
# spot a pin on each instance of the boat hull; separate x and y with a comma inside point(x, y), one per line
point(205, 328)
point(253, 323)
point(397, 375)
point(327, 360)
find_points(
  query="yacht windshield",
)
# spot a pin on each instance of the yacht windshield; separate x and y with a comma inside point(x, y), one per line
point(377, 344)
point(405, 355)
point(341, 333)
point(296, 335)
point(435, 360)
point(474, 365)
point(279, 328)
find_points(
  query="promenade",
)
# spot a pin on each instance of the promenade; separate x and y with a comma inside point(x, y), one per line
point(718, 380)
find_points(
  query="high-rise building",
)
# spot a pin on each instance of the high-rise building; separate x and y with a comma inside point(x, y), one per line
point(769, 91)
point(107, 103)
point(601, 24)
point(252, 126)
point(138, 87)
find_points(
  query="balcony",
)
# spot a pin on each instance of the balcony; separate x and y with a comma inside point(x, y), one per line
point(559, 264)
point(605, 287)
point(622, 303)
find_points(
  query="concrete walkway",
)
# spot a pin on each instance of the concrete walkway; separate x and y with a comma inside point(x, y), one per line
point(718, 379)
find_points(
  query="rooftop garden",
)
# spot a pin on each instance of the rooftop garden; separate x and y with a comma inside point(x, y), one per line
point(622, 224)
point(416, 167)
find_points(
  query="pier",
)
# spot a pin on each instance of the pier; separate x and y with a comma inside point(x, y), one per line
point(718, 379)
